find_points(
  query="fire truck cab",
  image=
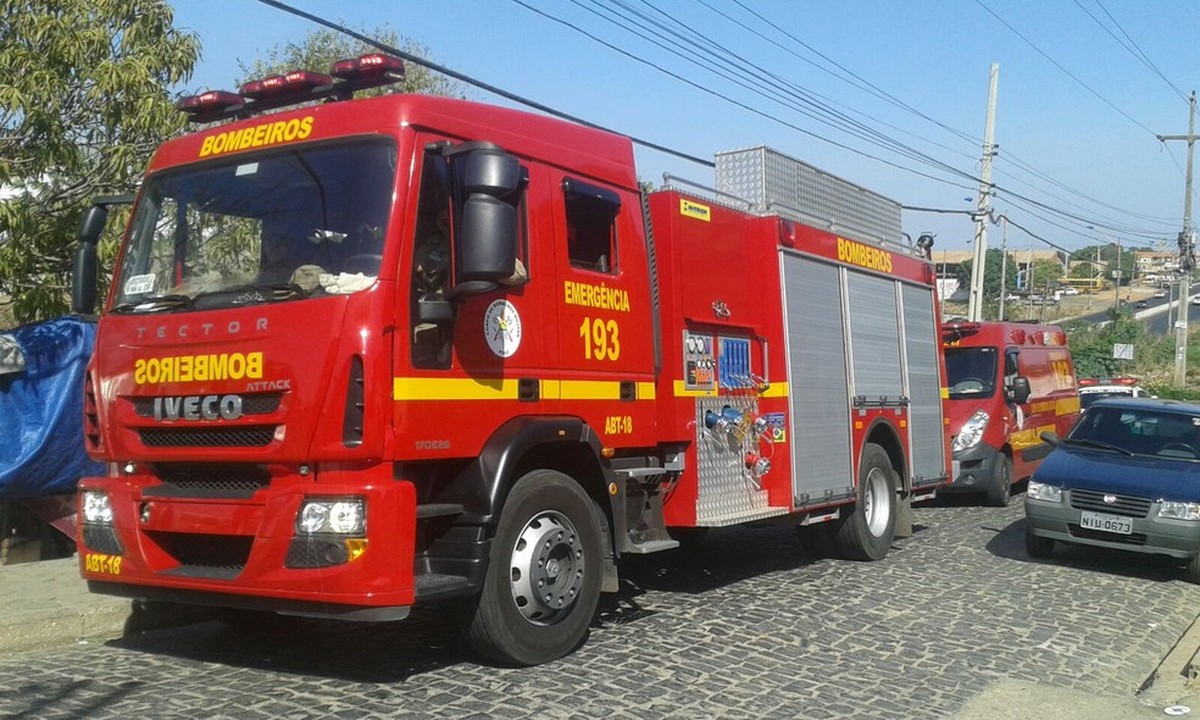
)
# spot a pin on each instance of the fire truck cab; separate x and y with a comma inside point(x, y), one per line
point(379, 352)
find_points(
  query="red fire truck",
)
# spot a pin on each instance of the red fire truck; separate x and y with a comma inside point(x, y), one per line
point(377, 352)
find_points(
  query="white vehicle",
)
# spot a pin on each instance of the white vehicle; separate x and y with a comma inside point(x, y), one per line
point(1069, 291)
point(1093, 389)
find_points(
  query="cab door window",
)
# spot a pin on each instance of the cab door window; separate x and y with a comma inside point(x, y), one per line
point(591, 213)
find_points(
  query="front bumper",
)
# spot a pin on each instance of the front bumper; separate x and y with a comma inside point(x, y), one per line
point(1151, 535)
point(974, 469)
point(246, 552)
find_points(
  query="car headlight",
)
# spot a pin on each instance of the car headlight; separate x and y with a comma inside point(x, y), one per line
point(341, 516)
point(97, 508)
point(1044, 492)
point(971, 432)
point(1179, 510)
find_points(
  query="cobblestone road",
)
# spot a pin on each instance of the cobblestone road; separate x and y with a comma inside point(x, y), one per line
point(750, 626)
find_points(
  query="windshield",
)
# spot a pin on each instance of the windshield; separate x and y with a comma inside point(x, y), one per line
point(1140, 431)
point(261, 228)
point(971, 372)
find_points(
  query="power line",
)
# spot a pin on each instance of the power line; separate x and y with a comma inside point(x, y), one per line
point(409, 57)
point(1059, 65)
point(1132, 47)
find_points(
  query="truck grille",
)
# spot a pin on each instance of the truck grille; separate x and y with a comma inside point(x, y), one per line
point(252, 404)
point(208, 480)
point(1126, 505)
point(199, 555)
point(240, 436)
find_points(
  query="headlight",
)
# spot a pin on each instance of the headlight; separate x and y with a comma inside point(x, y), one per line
point(1042, 491)
point(97, 508)
point(1179, 510)
point(971, 432)
point(340, 516)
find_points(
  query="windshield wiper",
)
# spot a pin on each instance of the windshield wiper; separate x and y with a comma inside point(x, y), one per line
point(1097, 444)
point(155, 304)
point(259, 292)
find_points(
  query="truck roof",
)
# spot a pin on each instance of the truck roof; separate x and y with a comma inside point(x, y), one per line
point(597, 153)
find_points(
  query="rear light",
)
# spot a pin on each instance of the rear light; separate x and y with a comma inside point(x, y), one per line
point(213, 101)
point(286, 84)
point(367, 66)
point(787, 233)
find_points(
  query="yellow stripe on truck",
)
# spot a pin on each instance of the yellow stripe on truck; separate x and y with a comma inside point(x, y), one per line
point(507, 389)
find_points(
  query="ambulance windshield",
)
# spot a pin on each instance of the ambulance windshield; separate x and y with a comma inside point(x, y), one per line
point(268, 227)
point(971, 372)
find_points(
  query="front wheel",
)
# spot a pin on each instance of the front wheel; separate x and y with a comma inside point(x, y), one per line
point(999, 490)
point(868, 532)
point(543, 580)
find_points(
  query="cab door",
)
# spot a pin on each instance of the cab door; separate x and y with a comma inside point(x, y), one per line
point(605, 332)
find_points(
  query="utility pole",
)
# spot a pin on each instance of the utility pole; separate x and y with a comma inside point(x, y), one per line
point(975, 304)
point(1186, 249)
point(1003, 263)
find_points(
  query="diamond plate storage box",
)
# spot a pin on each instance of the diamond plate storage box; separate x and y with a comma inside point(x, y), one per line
point(780, 185)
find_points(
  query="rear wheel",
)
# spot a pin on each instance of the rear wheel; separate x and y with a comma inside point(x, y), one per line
point(999, 490)
point(868, 532)
point(543, 579)
point(1037, 546)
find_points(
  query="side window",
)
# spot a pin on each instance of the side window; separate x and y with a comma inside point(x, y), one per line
point(591, 226)
point(432, 332)
point(1011, 371)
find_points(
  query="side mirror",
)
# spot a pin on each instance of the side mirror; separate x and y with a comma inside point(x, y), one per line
point(488, 241)
point(1019, 392)
point(1051, 438)
point(84, 277)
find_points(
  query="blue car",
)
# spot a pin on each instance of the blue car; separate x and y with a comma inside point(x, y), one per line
point(1126, 477)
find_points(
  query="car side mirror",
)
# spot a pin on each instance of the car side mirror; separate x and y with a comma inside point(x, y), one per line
point(1018, 392)
point(1051, 438)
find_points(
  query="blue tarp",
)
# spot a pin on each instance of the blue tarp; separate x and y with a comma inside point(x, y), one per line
point(41, 411)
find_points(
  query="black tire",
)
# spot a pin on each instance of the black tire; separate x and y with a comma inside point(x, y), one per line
point(1036, 546)
point(868, 532)
point(999, 490)
point(1191, 571)
point(548, 541)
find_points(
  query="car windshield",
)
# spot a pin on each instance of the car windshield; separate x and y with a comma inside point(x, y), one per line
point(971, 372)
point(1139, 431)
point(264, 228)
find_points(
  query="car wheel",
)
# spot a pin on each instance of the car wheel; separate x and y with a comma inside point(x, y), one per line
point(868, 532)
point(1192, 572)
point(543, 579)
point(1000, 488)
point(1037, 546)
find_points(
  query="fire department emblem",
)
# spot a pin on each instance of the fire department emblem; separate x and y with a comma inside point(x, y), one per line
point(502, 328)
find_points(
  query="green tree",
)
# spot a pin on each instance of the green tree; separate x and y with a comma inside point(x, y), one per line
point(993, 266)
point(320, 49)
point(84, 100)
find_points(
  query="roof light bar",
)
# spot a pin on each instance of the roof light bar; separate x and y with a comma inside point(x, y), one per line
point(365, 66)
point(212, 101)
point(288, 83)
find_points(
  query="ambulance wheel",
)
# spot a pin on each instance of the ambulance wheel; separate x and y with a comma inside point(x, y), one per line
point(543, 579)
point(999, 490)
point(868, 532)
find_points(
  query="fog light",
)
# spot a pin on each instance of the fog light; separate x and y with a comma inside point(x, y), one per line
point(97, 508)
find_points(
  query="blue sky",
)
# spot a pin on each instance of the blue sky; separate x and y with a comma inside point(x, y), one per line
point(1084, 87)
